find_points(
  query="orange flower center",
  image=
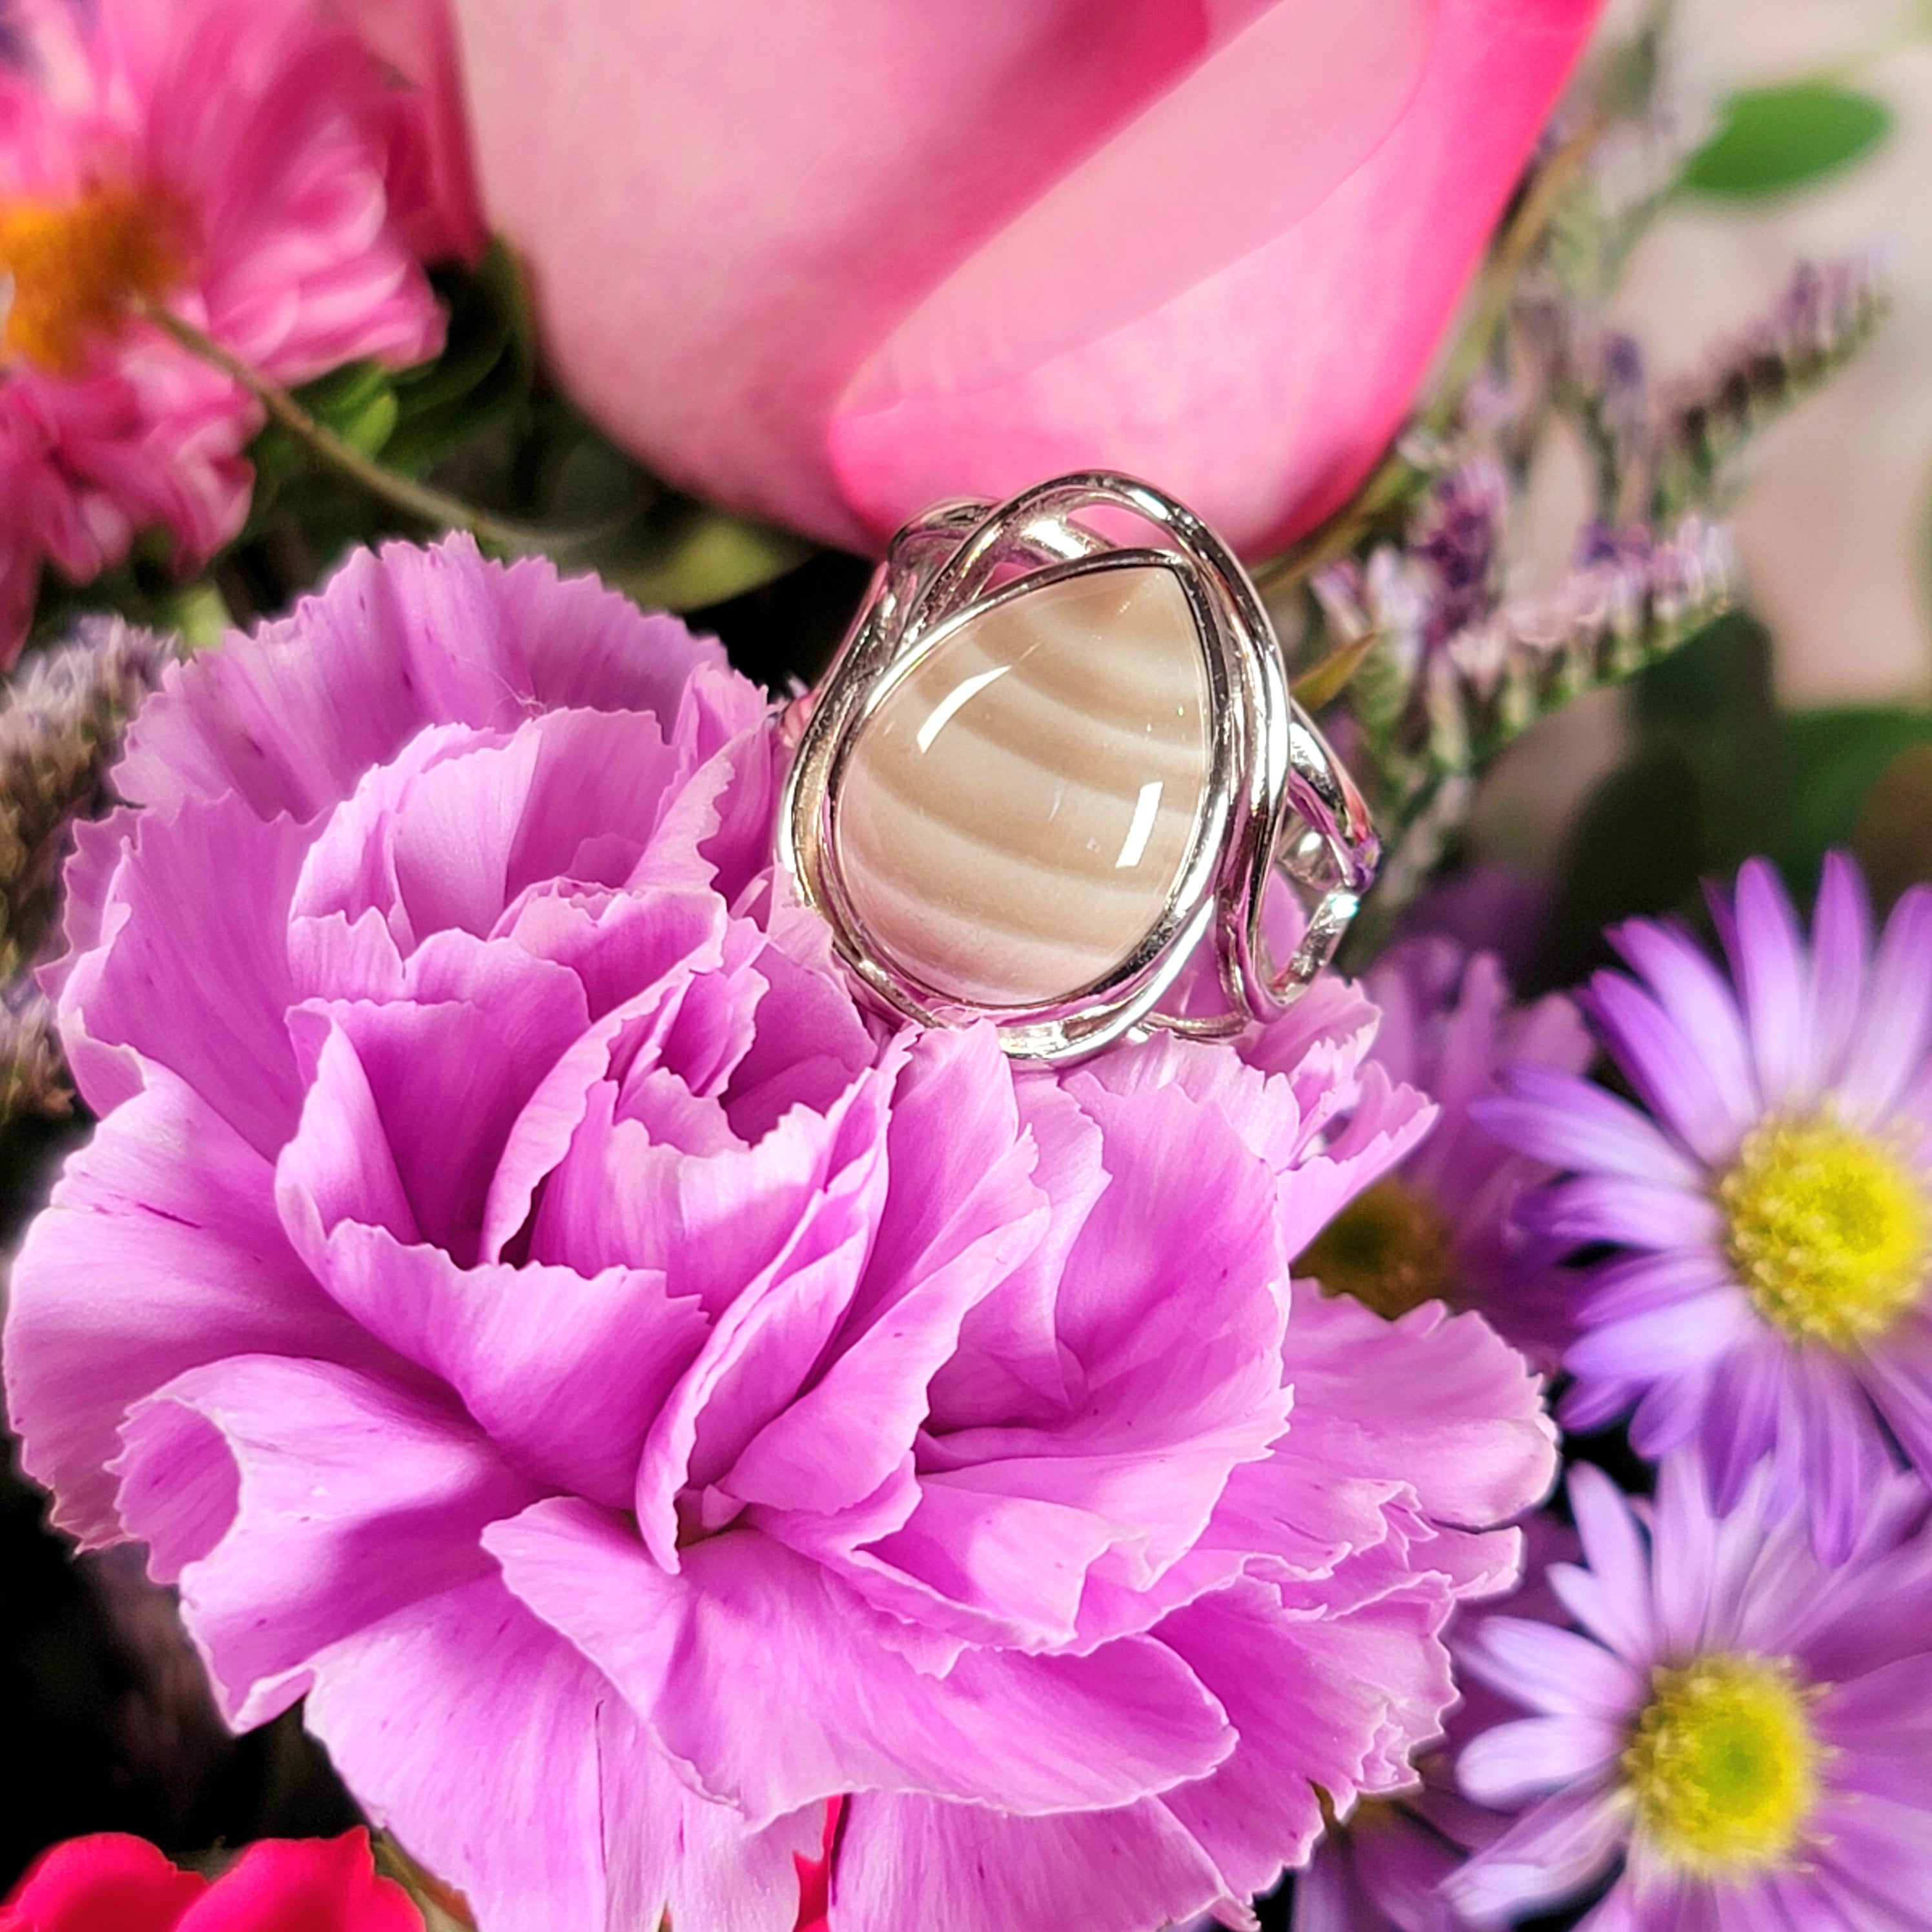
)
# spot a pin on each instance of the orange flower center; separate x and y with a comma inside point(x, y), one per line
point(79, 270)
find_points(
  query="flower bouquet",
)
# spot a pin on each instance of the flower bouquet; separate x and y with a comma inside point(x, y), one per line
point(1009, 1275)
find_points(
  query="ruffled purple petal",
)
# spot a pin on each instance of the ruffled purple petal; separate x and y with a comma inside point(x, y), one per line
point(401, 638)
point(1347, 1697)
point(168, 1195)
point(763, 1348)
point(1447, 1403)
point(563, 1371)
point(746, 1628)
point(434, 1106)
point(465, 1722)
point(960, 1868)
point(194, 980)
point(297, 1502)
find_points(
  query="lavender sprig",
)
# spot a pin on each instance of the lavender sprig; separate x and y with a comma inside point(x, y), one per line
point(1826, 313)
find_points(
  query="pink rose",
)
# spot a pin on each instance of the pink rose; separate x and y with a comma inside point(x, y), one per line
point(830, 262)
point(110, 1883)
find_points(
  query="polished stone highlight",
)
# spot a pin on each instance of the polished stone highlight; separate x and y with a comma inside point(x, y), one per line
point(1013, 819)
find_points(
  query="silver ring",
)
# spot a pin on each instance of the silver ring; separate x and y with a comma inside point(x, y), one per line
point(1047, 764)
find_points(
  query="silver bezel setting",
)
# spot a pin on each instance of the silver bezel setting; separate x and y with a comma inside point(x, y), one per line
point(1275, 796)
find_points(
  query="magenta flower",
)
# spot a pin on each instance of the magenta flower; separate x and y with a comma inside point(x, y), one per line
point(1774, 1215)
point(1742, 1725)
point(111, 1882)
point(636, 1399)
point(1212, 244)
point(1383, 1871)
point(1439, 1227)
point(244, 163)
point(1383, 1867)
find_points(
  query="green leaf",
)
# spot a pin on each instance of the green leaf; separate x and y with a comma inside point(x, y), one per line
point(342, 395)
point(1893, 836)
point(1322, 683)
point(1715, 702)
point(1832, 760)
point(695, 557)
point(1772, 140)
point(1638, 846)
point(368, 429)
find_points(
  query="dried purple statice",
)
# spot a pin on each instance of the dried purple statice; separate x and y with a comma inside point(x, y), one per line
point(1630, 593)
point(60, 726)
point(1427, 597)
point(1823, 317)
point(1457, 544)
point(1464, 664)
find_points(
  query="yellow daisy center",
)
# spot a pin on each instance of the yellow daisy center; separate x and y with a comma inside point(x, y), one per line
point(1829, 1230)
point(78, 269)
point(1389, 1248)
point(1724, 1764)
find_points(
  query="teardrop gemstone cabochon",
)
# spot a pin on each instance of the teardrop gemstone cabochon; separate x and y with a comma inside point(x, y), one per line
point(1015, 815)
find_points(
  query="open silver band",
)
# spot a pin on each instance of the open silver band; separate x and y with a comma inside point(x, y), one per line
point(1275, 796)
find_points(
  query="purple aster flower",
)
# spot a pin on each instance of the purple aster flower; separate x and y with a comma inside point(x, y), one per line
point(1489, 907)
point(636, 1398)
point(1439, 1227)
point(1740, 1725)
point(1773, 1214)
point(1382, 1868)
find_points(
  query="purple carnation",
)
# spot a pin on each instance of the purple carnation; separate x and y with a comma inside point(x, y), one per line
point(1383, 1868)
point(1740, 1727)
point(635, 1397)
point(1440, 1225)
point(1773, 1214)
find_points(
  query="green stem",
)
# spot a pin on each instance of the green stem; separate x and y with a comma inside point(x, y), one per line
point(403, 494)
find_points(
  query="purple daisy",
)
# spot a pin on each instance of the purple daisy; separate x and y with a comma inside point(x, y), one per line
point(1740, 1724)
point(1383, 1871)
point(1773, 1215)
point(1439, 1228)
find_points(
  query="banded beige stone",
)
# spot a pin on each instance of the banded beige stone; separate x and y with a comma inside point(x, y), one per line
point(1013, 818)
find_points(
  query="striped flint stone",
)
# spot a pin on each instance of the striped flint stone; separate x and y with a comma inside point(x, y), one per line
point(1012, 818)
